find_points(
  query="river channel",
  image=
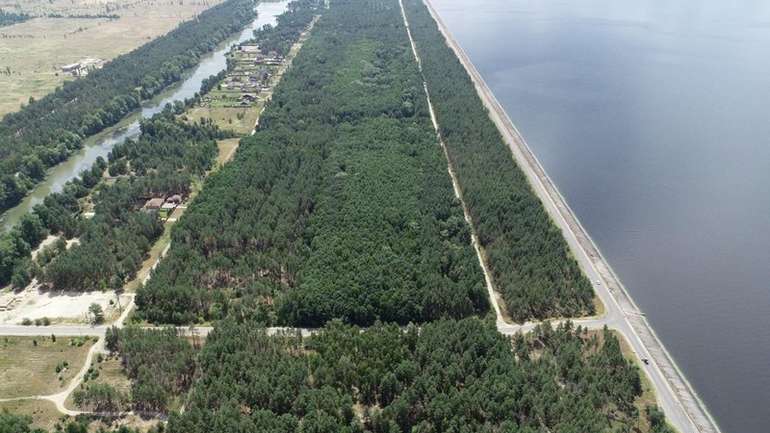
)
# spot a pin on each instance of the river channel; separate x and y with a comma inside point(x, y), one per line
point(651, 116)
point(101, 144)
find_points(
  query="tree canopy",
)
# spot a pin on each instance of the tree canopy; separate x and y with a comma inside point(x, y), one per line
point(48, 130)
point(340, 206)
point(531, 263)
point(460, 376)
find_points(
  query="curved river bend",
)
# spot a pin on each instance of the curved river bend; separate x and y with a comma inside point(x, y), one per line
point(102, 143)
point(651, 117)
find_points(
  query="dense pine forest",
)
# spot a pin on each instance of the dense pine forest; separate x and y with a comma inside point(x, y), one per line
point(531, 263)
point(448, 376)
point(47, 131)
point(340, 206)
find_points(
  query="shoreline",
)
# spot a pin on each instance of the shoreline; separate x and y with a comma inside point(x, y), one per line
point(589, 257)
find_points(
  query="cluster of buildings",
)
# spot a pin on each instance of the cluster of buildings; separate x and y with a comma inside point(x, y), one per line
point(255, 55)
point(250, 74)
point(247, 81)
point(83, 67)
point(164, 206)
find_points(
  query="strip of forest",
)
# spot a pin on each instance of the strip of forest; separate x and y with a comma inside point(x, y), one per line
point(45, 132)
point(14, 423)
point(458, 376)
point(340, 206)
point(529, 258)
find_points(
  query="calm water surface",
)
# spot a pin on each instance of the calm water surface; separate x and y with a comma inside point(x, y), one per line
point(101, 144)
point(653, 117)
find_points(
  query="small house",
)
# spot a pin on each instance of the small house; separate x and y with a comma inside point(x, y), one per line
point(249, 48)
point(248, 98)
point(153, 204)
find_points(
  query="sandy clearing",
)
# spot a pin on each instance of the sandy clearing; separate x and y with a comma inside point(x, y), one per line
point(69, 307)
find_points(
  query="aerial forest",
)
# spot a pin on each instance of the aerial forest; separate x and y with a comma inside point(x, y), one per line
point(46, 131)
point(101, 212)
point(340, 206)
point(337, 214)
point(160, 363)
point(446, 376)
point(532, 266)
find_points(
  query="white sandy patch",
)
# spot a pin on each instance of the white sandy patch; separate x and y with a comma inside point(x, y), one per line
point(60, 306)
point(47, 241)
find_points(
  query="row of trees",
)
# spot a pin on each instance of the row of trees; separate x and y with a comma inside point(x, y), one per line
point(9, 18)
point(530, 260)
point(460, 376)
point(47, 131)
point(338, 207)
point(241, 239)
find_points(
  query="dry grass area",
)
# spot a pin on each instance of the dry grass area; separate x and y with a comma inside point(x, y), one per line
point(227, 150)
point(28, 364)
point(43, 413)
point(599, 309)
point(32, 52)
point(240, 120)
